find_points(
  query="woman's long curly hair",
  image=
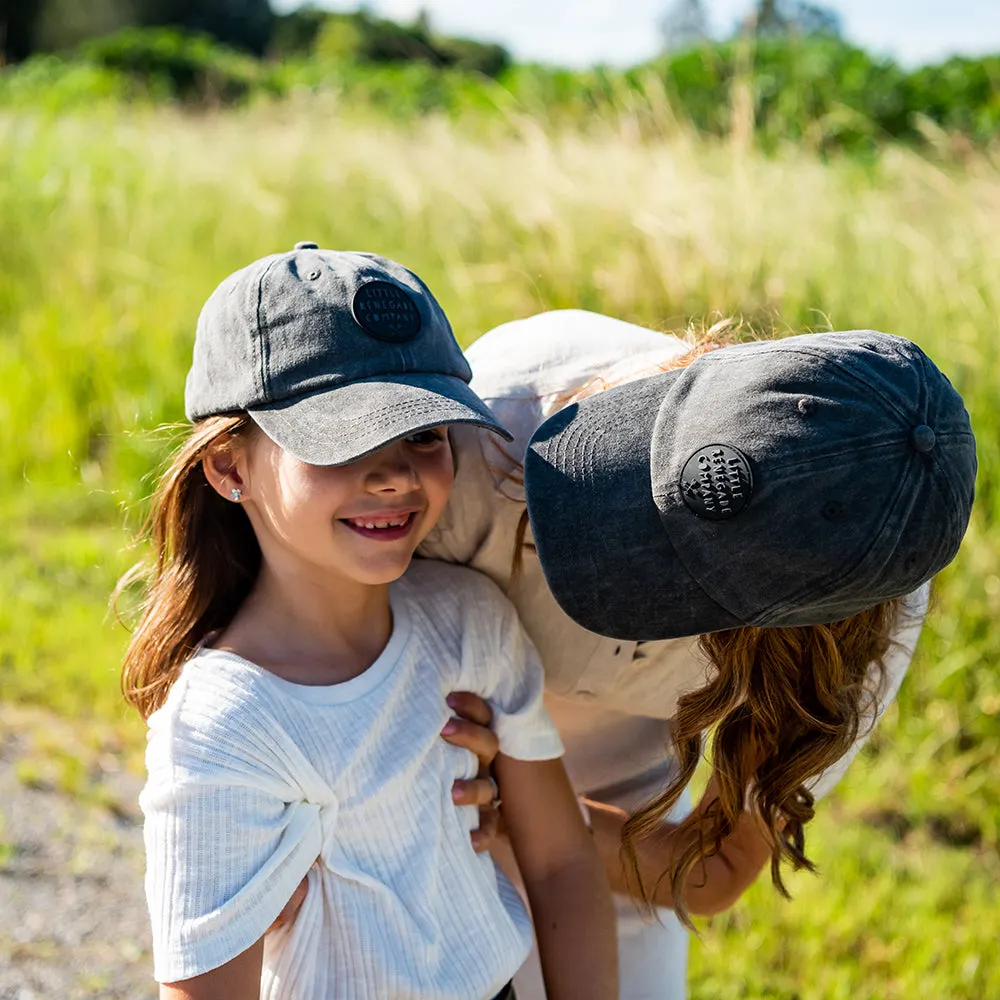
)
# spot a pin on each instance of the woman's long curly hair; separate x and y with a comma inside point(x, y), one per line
point(205, 560)
point(784, 704)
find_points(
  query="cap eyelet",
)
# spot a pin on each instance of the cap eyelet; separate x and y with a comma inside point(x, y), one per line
point(923, 438)
point(832, 510)
point(312, 275)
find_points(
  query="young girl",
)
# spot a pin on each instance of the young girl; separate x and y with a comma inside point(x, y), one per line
point(294, 666)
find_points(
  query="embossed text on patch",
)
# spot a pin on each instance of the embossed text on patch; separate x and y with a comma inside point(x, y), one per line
point(386, 311)
point(717, 482)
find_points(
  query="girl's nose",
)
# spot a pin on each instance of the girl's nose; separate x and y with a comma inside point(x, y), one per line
point(392, 471)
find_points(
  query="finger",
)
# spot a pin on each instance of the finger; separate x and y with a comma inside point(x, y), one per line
point(291, 909)
point(470, 706)
point(473, 792)
point(489, 824)
point(480, 740)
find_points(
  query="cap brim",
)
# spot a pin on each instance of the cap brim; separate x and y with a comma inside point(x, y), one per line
point(601, 543)
point(344, 424)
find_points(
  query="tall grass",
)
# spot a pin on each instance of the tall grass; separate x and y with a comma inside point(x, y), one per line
point(115, 227)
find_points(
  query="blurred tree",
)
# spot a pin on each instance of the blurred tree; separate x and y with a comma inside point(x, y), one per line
point(422, 22)
point(183, 64)
point(768, 19)
point(245, 24)
point(296, 32)
point(340, 37)
point(18, 20)
point(64, 24)
point(365, 38)
point(788, 17)
point(473, 57)
point(683, 25)
point(815, 19)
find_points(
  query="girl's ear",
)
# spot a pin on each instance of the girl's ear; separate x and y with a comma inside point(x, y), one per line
point(224, 465)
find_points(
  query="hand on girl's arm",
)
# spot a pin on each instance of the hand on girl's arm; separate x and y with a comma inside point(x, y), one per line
point(238, 979)
point(711, 888)
point(470, 729)
point(564, 878)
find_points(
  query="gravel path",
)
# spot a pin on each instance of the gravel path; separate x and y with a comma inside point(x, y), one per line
point(73, 920)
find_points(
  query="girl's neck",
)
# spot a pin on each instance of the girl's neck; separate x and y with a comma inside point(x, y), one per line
point(310, 630)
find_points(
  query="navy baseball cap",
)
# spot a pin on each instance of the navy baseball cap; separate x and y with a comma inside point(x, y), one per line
point(333, 354)
point(777, 483)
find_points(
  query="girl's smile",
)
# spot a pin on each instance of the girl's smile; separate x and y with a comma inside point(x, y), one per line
point(383, 526)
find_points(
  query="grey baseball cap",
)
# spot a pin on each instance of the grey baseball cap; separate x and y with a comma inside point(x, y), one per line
point(791, 482)
point(333, 354)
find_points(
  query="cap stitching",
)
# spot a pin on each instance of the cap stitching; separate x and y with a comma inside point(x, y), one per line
point(264, 343)
point(388, 378)
point(579, 439)
point(395, 407)
point(850, 450)
point(357, 456)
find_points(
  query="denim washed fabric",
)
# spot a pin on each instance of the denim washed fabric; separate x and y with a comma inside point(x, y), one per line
point(788, 482)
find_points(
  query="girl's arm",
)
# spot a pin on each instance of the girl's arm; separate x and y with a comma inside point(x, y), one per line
point(238, 979)
point(564, 878)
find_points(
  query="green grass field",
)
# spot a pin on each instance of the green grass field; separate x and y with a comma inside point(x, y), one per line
point(115, 227)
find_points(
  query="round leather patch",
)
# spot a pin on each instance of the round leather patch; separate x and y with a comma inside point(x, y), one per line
point(386, 311)
point(717, 482)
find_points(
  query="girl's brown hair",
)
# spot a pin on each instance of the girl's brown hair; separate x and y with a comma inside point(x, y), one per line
point(784, 704)
point(205, 560)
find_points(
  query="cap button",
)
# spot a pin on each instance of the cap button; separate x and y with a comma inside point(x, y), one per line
point(923, 438)
point(306, 245)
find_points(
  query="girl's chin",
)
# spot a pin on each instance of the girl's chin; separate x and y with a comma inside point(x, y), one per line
point(377, 572)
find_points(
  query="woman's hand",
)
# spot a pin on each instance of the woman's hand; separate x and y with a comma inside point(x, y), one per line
point(470, 729)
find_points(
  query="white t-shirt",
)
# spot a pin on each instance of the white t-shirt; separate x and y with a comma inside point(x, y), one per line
point(611, 700)
point(255, 781)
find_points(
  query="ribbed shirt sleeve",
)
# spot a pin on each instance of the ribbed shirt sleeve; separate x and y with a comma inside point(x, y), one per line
point(515, 681)
point(228, 837)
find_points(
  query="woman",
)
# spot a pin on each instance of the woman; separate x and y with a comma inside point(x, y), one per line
point(754, 527)
point(807, 481)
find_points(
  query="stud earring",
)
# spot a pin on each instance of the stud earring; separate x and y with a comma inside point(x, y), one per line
point(236, 494)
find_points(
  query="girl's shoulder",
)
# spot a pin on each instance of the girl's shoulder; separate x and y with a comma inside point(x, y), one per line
point(431, 581)
point(440, 589)
point(464, 624)
point(220, 705)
